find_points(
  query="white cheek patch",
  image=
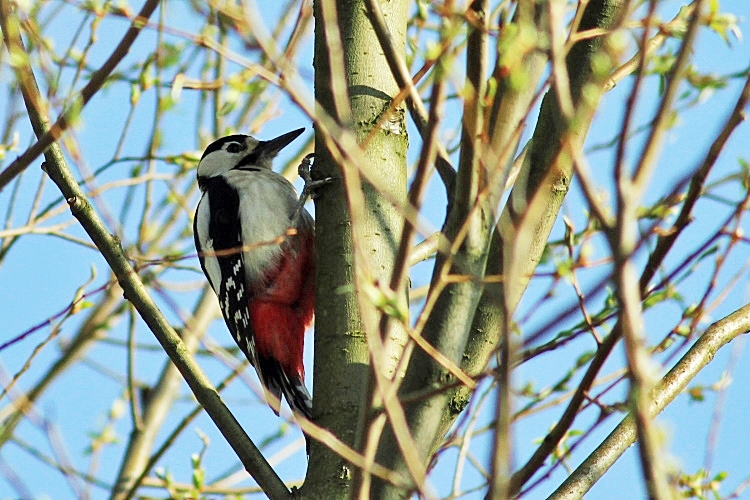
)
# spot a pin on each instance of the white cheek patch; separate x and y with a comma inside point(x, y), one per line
point(217, 163)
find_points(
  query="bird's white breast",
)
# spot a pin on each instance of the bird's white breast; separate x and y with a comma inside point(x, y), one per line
point(267, 205)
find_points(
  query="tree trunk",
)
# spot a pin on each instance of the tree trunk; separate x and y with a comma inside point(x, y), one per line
point(354, 87)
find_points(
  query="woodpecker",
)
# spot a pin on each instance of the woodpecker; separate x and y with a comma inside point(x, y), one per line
point(255, 244)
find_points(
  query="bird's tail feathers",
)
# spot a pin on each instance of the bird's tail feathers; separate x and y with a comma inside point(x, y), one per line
point(278, 382)
point(296, 395)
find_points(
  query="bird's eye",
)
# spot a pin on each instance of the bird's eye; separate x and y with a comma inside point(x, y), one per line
point(234, 147)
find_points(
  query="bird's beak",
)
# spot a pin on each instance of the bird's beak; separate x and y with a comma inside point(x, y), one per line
point(272, 147)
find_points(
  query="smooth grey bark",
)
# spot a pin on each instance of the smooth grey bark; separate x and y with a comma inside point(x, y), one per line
point(352, 87)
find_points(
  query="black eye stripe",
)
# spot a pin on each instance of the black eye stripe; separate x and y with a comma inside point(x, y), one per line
point(235, 147)
point(219, 143)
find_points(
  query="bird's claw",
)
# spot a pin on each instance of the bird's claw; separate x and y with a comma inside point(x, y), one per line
point(304, 168)
point(311, 186)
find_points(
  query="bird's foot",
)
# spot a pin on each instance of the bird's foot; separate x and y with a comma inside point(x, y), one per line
point(311, 185)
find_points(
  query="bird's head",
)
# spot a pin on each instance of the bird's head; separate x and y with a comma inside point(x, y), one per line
point(241, 151)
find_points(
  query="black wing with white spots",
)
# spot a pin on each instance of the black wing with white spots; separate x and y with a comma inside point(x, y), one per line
point(222, 261)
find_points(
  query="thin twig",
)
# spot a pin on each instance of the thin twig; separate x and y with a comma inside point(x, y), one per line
point(624, 435)
point(46, 134)
point(133, 288)
point(657, 256)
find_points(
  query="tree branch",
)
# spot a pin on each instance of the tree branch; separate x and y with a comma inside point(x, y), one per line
point(137, 456)
point(110, 248)
point(400, 71)
point(445, 320)
point(624, 435)
point(93, 325)
point(359, 218)
point(46, 135)
point(663, 246)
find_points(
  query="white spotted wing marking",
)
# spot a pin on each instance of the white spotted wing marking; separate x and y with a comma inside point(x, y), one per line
point(226, 274)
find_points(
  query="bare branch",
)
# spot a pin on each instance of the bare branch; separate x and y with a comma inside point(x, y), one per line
point(624, 435)
point(133, 288)
point(48, 134)
point(155, 410)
